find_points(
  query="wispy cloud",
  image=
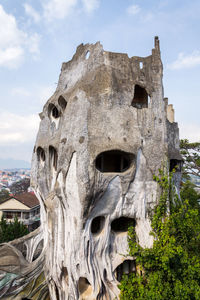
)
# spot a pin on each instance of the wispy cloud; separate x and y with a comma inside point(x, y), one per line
point(190, 132)
point(133, 9)
point(11, 50)
point(90, 5)
point(44, 93)
point(31, 12)
point(33, 44)
point(14, 43)
point(57, 9)
point(185, 61)
point(20, 91)
point(16, 129)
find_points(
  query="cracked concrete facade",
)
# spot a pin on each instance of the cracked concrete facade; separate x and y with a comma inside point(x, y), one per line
point(103, 134)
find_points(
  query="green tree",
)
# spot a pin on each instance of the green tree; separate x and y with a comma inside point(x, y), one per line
point(4, 194)
point(12, 230)
point(191, 155)
point(172, 266)
point(189, 193)
point(21, 186)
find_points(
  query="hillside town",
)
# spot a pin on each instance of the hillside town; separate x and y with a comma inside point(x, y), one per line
point(17, 200)
point(10, 176)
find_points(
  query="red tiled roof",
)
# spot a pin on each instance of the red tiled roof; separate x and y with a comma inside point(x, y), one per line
point(28, 199)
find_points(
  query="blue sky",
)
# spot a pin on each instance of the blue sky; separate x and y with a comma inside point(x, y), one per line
point(36, 36)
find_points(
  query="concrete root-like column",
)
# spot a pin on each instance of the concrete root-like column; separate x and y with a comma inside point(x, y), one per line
point(22, 262)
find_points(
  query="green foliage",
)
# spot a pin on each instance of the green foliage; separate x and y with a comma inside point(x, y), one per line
point(172, 266)
point(11, 231)
point(191, 155)
point(4, 194)
point(189, 193)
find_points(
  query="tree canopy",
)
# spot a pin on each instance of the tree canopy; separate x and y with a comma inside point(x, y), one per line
point(20, 187)
point(191, 155)
point(12, 230)
point(171, 268)
point(4, 194)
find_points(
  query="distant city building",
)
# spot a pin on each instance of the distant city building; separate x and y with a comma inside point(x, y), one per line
point(10, 177)
point(25, 207)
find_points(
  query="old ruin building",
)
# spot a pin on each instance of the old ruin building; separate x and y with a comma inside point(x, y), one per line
point(103, 134)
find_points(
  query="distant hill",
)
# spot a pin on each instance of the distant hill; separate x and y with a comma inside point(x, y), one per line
point(10, 163)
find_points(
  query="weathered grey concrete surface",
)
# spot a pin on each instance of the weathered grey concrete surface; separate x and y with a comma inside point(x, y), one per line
point(21, 263)
point(106, 102)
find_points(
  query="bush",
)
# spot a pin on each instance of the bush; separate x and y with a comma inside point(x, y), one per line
point(11, 231)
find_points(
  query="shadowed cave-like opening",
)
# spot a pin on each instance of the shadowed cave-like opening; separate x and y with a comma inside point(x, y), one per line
point(40, 154)
point(64, 274)
point(53, 155)
point(97, 224)
point(175, 164)
point(122, 224)
point(62, 102)
point(141, 97)
point(127, 267)
point(38, 250)
point(53, 111)
point(84, 287)
point(114, 161)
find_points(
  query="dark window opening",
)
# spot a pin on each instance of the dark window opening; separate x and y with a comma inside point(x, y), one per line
point(122, 224)
point(26, 215)
point(127, 267)
point(105, 274)
point(175, 164)
point(57, 292)
point(8, 215)
point(53, 111)
point(40, 154)
point(114, 161)
point(38, 250)
point(84, 285)
point(24, 250)
point(97, 224)
point(53, 155)
point(62, 102)
point(64, 274)
point(140, 99)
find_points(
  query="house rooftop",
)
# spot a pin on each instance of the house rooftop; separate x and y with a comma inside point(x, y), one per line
point(28, 199)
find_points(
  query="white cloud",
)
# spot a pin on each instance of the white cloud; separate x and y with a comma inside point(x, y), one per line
point(11, 57)
point(14, 42)
point(133, 9)
point(57, 9)
point(190, 132)
point(11, 51)
point(45, 93)
point(185, 61)
point(31, 12)
point(20, 91)
point(33, 43)
point(16, 129)
point(90, 5)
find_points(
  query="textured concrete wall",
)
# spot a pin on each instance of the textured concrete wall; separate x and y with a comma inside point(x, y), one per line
point(103, 102)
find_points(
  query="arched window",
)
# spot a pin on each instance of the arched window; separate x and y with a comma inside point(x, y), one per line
point(140, 99)
point(53, 156)
point(62, 102)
